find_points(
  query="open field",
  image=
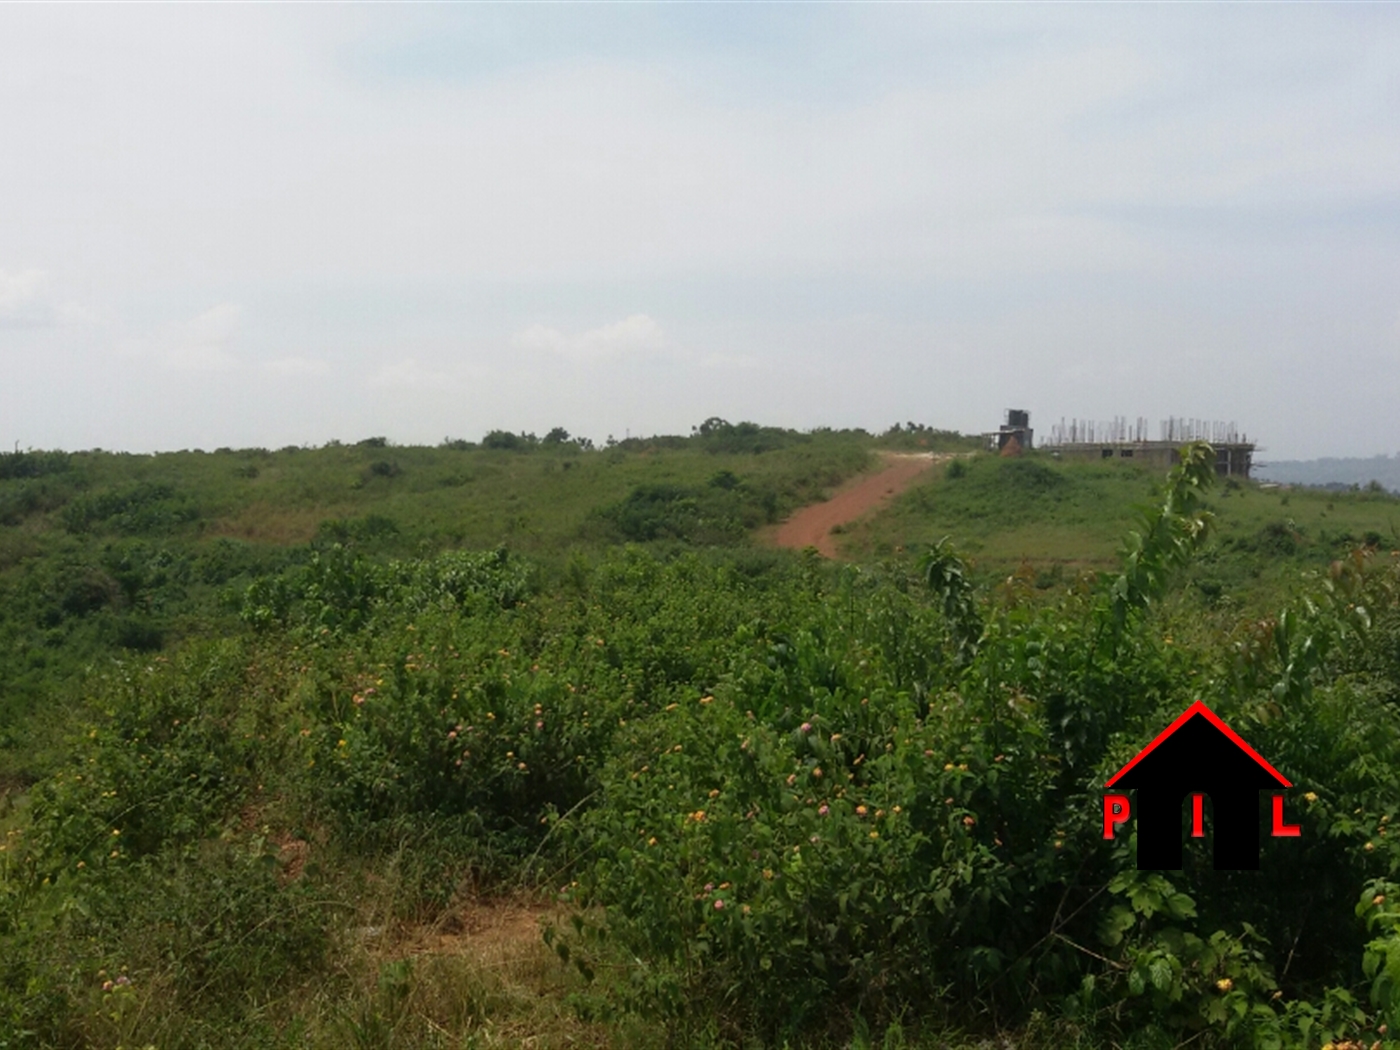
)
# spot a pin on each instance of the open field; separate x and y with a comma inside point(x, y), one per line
point(538, 499)
point(104, 553)
point(542, 746)
point(1063, 518)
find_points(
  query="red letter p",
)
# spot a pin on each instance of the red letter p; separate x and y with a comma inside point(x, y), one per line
point(1115, 812)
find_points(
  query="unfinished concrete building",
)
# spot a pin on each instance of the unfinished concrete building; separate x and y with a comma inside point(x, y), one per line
point(1120, 439)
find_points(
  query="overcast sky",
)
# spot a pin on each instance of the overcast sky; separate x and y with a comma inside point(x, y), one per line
point(266, 225)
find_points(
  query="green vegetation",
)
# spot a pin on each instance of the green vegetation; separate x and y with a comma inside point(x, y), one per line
point(103, 554)
point(1054, 520)
point(293, 787)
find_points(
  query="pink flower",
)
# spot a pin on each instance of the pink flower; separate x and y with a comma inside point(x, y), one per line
point(806, 727)
point(709, 886)
point(824, 810)
point(452, 735)
point(719, 905)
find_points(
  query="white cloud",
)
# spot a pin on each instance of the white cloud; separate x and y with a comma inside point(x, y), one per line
point(24, 299)
point(200, 344)
point(409, 374)
point(632, 337)
point(296, 366)
point(737, 362)
point(1056, 191)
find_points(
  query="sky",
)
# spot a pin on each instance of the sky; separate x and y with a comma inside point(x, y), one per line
point(263, 225)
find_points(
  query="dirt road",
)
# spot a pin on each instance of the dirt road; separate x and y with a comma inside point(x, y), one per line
point(811, 526)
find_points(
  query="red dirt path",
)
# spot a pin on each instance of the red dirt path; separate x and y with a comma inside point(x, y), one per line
point(811, 526)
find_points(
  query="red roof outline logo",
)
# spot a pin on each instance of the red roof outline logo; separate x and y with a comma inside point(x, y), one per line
point(1199, 708)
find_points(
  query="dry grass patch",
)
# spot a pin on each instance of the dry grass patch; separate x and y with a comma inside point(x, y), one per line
point(264, 523)
point(478, 975)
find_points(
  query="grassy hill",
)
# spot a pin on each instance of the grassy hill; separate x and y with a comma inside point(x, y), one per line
point(104, 553)
point(1057, 519)
point(300, 748)
point(539, 497)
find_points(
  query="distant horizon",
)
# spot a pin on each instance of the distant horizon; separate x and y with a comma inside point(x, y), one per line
point(1261, 462)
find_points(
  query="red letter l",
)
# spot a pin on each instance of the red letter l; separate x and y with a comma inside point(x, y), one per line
point(1282, 830)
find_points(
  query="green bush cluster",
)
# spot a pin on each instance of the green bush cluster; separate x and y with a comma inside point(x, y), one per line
point(504, 440)
point(717, 514)
point(136, 878)
point(32, 464)
point(795, 850)
point(339, 588)
point(802, 801)
point(140, 510)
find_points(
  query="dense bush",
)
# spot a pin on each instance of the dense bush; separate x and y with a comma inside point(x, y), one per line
point(19, 500)
point(138, 861)
point(659, 511)
point(799, 849)
point(142, 509)
point(505, 440)
point(32, 464)
point(339, 588)
point(719, 435)
point(801, 801)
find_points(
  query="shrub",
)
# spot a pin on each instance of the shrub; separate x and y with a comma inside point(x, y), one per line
point(369, 530)
point(32, 464)
point(143, 509)
point(718, 435)
point(506, 441)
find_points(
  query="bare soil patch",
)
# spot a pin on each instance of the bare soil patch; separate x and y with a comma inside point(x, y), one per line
point(811, 526)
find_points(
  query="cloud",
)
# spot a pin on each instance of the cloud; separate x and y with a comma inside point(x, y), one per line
point(737, 362)
point(409, 374)
point(630, 338)
point(1071, 197)
point(200, 344)
point(296, 366)
point(24, 299)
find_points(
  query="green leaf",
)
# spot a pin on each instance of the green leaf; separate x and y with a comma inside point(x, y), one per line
point(1180, 906)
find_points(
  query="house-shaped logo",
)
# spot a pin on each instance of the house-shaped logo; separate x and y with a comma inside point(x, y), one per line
point(1199, 756)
